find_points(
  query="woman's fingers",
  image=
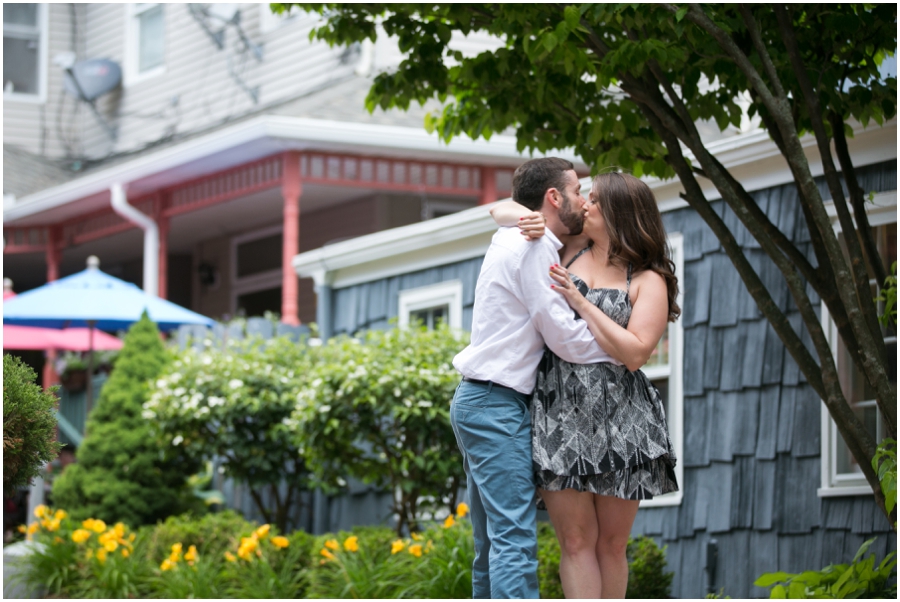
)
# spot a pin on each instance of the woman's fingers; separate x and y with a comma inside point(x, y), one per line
point(532, 225)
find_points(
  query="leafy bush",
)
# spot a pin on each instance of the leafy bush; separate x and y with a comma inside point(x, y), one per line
point(29, 424)
point(372, 562)
point(378, 410)
point(859, 579)
point(885, 465)
point(647, 576)
point(234, 404)
point(121, 473)
point(214, 533)
point(549, 583)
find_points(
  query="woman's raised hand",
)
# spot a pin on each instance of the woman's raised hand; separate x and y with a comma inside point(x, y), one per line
point(565, 287)
point(532, 225)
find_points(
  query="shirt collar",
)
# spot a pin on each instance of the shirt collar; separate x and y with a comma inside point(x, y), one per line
point(552, 238)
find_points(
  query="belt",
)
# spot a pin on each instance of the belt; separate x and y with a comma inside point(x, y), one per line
point(475, 381)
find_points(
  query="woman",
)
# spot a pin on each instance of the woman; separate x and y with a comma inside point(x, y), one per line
point(600, 440)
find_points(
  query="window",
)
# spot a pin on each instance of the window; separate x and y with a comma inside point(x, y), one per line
point(432, 304)
point(25, 52)
point(664, 370)
point(841, 475)
point(256, 271)
point(145, 42)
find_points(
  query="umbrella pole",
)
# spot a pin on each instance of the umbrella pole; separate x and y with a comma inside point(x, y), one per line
point(90, 371)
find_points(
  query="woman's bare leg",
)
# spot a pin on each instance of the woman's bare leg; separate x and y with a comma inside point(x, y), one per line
point(614, 517)
point(575, 522)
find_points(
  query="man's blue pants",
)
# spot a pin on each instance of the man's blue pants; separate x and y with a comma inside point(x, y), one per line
point(493, 430)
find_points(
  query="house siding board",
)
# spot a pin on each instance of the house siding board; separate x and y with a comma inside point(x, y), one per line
point(697, 412)
point(694, 343)
point(696, 284)
point(723, 309)
point(836, 512)
point(744, 427)
point(712, 358)
point(768, 422)
point(764, 495)
point(693, 568)
point(742, 498)
point(807, 424)
point(761, 558)
point(798, 508)
point(790, 374)
point(722, 425)
point(773, 357)
point(734, 552)
point(733, 340)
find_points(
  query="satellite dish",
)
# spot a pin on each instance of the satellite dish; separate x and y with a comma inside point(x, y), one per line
point(91, 79)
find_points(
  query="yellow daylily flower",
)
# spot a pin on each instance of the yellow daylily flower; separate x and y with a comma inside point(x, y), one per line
point(416, 550)
point(53, 524)
point(398, 546)
point(41, 511)
point(101, 555)
point(262, 532)
point(94, 524)
point(327, 554)
point(280, 542)
point(191, 554)
point(60, 514)
point(351, 544)
point(167, 565)
point(32, 528)
point(332, 544)
point(22, 528)
point(176, 549)
point(416, 536)
point(110, 545)
point(462, 509)
point(429, 546)
point(119, 530)
point(230, 557)
point(125, 553)
point(449, 521)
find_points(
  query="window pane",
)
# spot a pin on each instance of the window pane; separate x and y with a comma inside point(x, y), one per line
point(20, 64)
point(20, 14)
point(258, 303)
point(430, 317)
point(868, 415)
point(260, 255)
point(660, 355)
point(151, 52)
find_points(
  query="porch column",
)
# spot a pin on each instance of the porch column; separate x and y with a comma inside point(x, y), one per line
point(290, 192)
point(488, 185)
point(54, 256)
point(162, 222)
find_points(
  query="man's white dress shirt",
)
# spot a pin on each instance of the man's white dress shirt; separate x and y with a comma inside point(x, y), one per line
point(516, 313)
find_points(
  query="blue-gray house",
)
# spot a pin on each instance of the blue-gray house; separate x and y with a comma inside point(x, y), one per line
point(767, 484)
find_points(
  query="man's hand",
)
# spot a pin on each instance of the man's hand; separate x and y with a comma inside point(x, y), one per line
point(532, 225)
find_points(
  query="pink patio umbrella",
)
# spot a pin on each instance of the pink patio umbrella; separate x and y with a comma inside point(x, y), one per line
point(67, 339)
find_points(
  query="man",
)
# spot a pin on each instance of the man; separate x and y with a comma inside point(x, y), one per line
point(515, 314)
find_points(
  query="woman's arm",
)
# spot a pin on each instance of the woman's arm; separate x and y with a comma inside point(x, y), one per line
point(649, 314)
point(510, 213)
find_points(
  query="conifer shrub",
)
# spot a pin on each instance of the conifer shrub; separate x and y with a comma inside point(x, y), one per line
point(121, 473)
point(29, 424)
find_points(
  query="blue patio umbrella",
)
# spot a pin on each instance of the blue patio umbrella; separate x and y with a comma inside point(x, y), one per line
point(95, 300)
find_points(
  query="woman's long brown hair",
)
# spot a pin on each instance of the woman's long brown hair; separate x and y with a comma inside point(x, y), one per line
point(635, 228)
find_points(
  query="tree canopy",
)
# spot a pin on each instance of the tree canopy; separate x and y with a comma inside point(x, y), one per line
point(628, 85)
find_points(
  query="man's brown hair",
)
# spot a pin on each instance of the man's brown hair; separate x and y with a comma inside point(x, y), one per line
point(534, 178)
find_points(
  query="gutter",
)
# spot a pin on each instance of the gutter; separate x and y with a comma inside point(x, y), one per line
point(120, 205)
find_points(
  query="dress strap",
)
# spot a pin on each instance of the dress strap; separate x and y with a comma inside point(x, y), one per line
point(579, 254)
point(628, 281)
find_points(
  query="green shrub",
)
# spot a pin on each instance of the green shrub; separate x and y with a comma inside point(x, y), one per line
point(378, 409)
point(29, 424)
point(548, 562)
point(885, 465)
point(233, 404)
point(213, 533)
point(859, 579)
point(647, 576)
point(121, 473)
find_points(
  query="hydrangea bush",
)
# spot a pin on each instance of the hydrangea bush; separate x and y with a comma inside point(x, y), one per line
point(235, 404)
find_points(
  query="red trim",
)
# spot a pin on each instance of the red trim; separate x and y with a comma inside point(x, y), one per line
point(488, 185)
point(162, 223)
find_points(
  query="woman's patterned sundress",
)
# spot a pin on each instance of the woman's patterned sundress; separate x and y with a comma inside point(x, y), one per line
point(599, 427)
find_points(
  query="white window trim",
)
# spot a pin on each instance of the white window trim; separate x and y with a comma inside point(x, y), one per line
point(131, 75)
point(675, 373)
point(444, 293)
point(41, 96)
point(256, 282)
point(883, 210)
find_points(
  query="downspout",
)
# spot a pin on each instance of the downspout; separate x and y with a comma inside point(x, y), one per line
point(120, 205)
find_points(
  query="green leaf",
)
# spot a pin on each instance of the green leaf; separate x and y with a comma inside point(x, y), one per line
point(680, 13)
point(550, 41)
